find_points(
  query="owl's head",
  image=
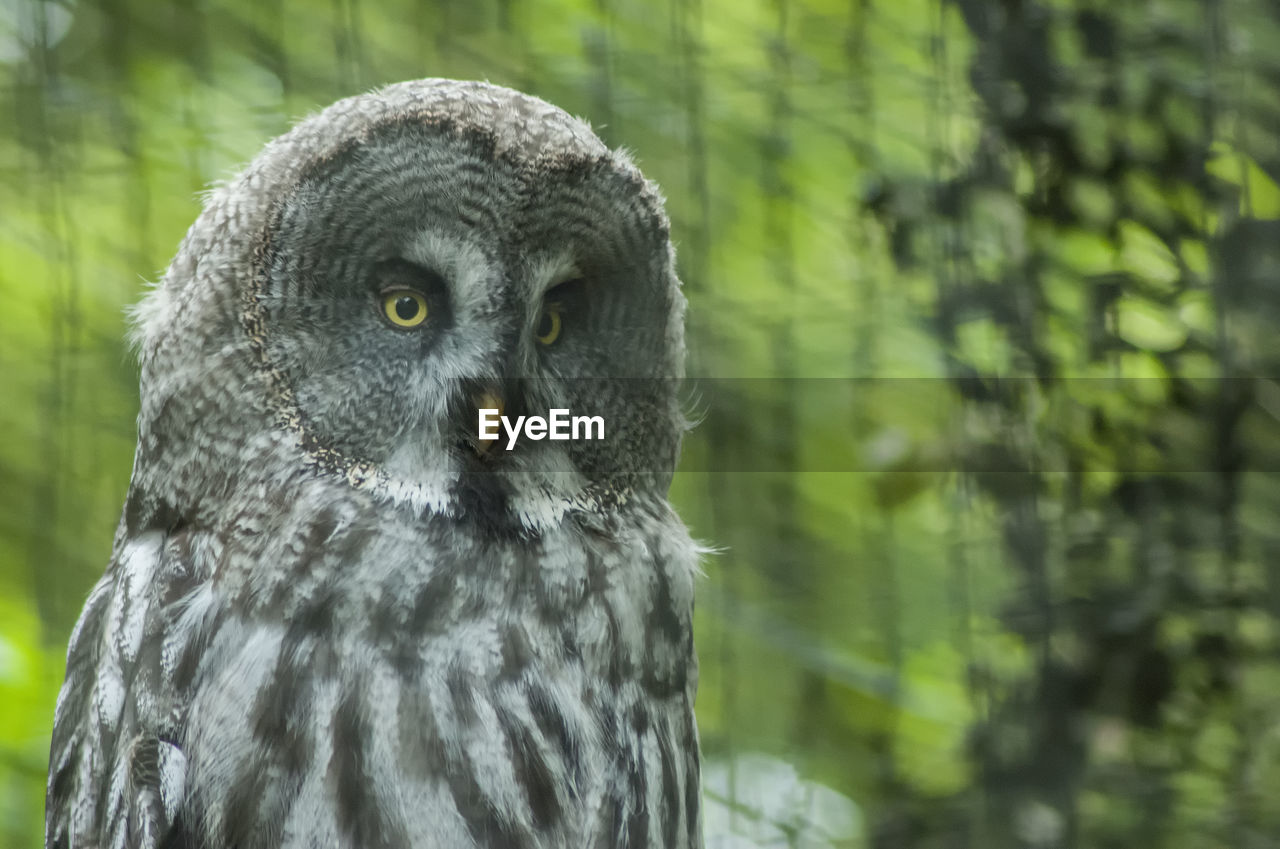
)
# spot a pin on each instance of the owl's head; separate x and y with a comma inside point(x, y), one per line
point(394, 264)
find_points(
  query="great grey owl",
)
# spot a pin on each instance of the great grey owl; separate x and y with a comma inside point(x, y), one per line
point(335, 615)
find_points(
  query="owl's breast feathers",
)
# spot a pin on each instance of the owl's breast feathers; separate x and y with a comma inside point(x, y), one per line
point(317, 673)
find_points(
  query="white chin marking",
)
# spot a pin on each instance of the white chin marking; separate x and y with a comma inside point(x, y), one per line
point(418, 477)
point(544, 486)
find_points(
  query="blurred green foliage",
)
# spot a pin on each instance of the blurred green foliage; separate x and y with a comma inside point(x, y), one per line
point(998, 285)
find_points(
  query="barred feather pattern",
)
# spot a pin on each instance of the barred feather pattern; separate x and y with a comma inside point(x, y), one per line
point(502, 694)
point(320, 625)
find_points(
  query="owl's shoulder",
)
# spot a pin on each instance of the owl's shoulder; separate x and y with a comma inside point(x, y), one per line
point(116, 768)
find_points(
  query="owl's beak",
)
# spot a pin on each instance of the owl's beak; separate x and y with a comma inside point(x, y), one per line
point(487, 399)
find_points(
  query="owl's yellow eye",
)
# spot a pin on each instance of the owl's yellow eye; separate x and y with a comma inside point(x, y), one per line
point(548, 329)
point(404, 307)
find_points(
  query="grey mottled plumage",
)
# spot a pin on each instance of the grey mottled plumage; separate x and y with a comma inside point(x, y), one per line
point(329, 618)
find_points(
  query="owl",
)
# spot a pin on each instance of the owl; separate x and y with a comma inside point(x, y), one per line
point(337, 613)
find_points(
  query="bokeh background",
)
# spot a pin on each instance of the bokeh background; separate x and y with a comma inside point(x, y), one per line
point(985, 300)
